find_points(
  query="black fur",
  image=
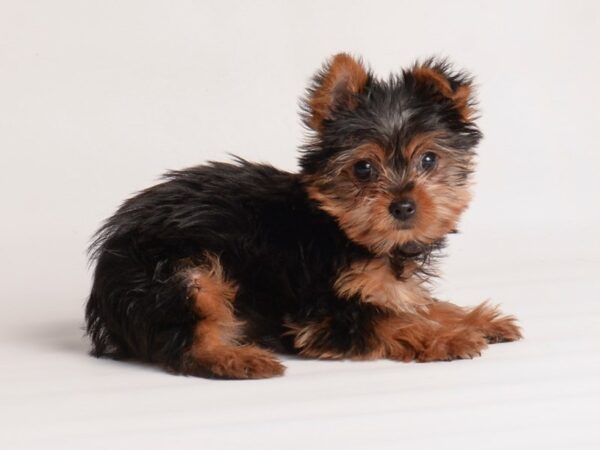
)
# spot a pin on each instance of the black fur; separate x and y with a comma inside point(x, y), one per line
point(278, 246)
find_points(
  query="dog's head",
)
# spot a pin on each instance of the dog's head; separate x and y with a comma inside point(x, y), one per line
point(390, 160)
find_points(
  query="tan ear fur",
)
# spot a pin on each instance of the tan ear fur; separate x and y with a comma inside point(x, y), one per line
point(335, 87)
point(460, 95)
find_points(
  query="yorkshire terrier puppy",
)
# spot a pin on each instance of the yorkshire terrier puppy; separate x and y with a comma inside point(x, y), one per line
point(211, 271)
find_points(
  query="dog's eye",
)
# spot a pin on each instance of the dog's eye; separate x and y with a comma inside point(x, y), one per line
point(428, 161)
point(363, 170)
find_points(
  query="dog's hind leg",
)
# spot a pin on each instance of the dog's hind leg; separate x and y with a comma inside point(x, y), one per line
point(217, 349)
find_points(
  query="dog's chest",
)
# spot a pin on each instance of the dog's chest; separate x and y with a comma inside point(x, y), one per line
point(389, 283)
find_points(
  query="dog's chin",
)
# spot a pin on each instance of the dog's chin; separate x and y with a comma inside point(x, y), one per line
point(409, 241)
point(411, 248)
point(404, 226)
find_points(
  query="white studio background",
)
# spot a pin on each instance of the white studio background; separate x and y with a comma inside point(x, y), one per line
point(98, 98)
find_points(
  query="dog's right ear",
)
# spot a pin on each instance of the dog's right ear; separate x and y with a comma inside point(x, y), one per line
point(334, 88)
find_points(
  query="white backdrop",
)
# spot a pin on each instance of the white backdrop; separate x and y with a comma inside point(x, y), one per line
point(98, 98)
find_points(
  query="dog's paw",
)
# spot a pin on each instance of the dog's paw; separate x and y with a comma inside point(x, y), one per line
point(247, 363)
point(244, 362)
point(461, 343)
point(503, 329)
point(493, 324)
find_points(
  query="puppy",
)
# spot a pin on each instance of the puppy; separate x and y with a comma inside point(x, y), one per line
point(220, 265)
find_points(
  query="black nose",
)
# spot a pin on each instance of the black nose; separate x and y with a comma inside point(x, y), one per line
point(403, 210)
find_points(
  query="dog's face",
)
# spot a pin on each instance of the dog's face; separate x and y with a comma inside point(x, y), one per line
point(390, 160)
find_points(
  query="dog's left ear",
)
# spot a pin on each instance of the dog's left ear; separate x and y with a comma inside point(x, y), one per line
point(454, 86)
point(334, 88)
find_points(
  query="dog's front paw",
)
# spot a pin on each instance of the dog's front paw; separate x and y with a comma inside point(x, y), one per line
point(461, 343)
point(495, 326)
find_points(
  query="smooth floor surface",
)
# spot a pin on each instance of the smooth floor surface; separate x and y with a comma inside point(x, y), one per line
point(542, 392)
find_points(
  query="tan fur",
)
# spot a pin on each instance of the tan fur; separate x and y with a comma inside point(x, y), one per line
point(439, 331)
point(460, 96)
point(344, 77)
point(216, 349)
point(363, 211)
point(375, 282)
point(439, 209)
point(309, 337)
point(416, 337)
point(485, 318)
point(420, 144)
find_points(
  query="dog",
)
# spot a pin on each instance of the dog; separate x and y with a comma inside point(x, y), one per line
point(221, 266)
